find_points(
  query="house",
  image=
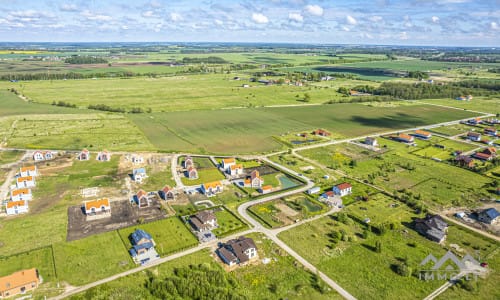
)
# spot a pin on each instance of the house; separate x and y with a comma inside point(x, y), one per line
point(235, 170)
point(432, 227)
point(314, 190)
point(371, 141)
point(97, 207)
point(266, 189)
point(19, 283)
point(490, 151)
point(20, 194)
point(465, 161)
point(167, 193)
point(482, 156)
point(42, 155)
point(491, 131)
point(487, 142)
point(137, 159)
point(139, 175)
point(331, 199)
point(489, 216)
point(28, 171)
point(25, 182)
point(103, 156)
point(321, 132)
point(203, 221)
point(188, 162)
point(227, 163)
point(474, 121)
point(238, 251)
point(16, 207)
point(212, 188)
point(474, 136)
point(405, 138)
point(254, 180)
point(423, 134)
point(84, 155)
point(342, 189)
point(142, 199)
point(143, 247)
point(192, 173)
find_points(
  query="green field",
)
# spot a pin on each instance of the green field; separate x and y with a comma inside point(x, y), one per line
point(447, 153)
point(204, 176)
point(170, 235)
point(40, 259)
point(228, 223)
point(91, 258)
point(484, 104)
point(10, 156)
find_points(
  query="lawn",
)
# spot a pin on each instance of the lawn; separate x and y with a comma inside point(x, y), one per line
point(228, 223)
point(170, 235)
point(157, 180)
point(91, 258)
point(446, 153)
point(204, 176)
point(10, 156)
point(452, 130)
point(40, 259)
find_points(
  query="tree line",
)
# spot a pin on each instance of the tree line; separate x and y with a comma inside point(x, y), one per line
point(80, 60)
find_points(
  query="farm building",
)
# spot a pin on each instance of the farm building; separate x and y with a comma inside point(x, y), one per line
point(188, 162)
point(227, 163)
point(139, 175)
point(321, 132)
point(432, 227)
point(489, 216)
point(25, 182)
point(254, 180)
point(97, 207)
point(212, 188)
point(423, 134)
point(342, 189)
point(371, 141)
point(167, 193)
point(143, 247)
point(20, 194)
point(314, 190)
point(474, 136)
point(42, 155)
point(203, 221)
point(16, 207)
point(103, 156)
point(266, 189)
point(19, 283)
point(28, 171)
point(84, 155)
point(192, 173)
point(238, 251)
point(235, 170)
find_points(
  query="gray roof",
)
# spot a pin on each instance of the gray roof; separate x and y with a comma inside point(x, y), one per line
point(492, 213)
point(239, 246)
point(205, 216)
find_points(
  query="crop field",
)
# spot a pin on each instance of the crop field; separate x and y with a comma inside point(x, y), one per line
point(87, 257)
point(484, 104)
point(251, 130)
point(170, 235)
point(92, 131)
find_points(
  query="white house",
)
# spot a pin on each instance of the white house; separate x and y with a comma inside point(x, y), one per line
point(97, 207)
point(139, 175)
point(20, 194)
point(342, 189)
point(212, 188)
point(254, 180)
point(25, 182)
point(28, 171)
point(474, 136)
point(371, 141)
point(314, 190)
point(103, 156)
point(42, 155)
point(235, 170)
point(84, 155)
point(137, 159)
point(228, 163)
point(16, 207)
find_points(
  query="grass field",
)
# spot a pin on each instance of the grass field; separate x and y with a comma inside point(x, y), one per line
point(170, 235)
point(486, 104)
point(251, 130)
point(228, 224)
point(204, 176)
point(10, 156)
point(447, 153)
point(92, 258)
point(40, 259)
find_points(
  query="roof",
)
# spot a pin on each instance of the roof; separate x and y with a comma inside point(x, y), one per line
point(213, 185)
point(139, 171)
point(25, 178)
point(141, 193)
point(85, 150)
point(18, 279)
point(490, 150)
point(255, 174)
point(405, 136)
point(192, 169)
point(433, 222)
point(205, 215)
point(238, 166)
point(98, 203)
point(492, 129)
point(370, 139)
point(146, 245)
point(229, 160)
point(422, 132)
point(481, 155)
point(30, 168)
point(12, 204)
point(138, 235)
point(227, 254)
point(166, 189)
point(239, 247)
point(475, 134)
point(267, 187)
point(344, 186)
point(20, 192)
point(329, 194)
point(464, 158)
point(492, 213)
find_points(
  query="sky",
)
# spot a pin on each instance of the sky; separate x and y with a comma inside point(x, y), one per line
point(389, 22)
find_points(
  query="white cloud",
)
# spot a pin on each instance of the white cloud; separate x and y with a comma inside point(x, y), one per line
point(403, 35)
point(176, 17)
point(296, 17)
point(96, 17)
point(259, 18)
point(345, 28)
point(376, 18)
point(69, 7)
point(351, 20)
point(148, 14)
point(314, 10)
point(494, 25)
point(435, 19)
point(218, 22)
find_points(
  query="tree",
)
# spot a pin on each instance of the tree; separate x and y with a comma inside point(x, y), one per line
point(378, 246)
point(307, 97)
